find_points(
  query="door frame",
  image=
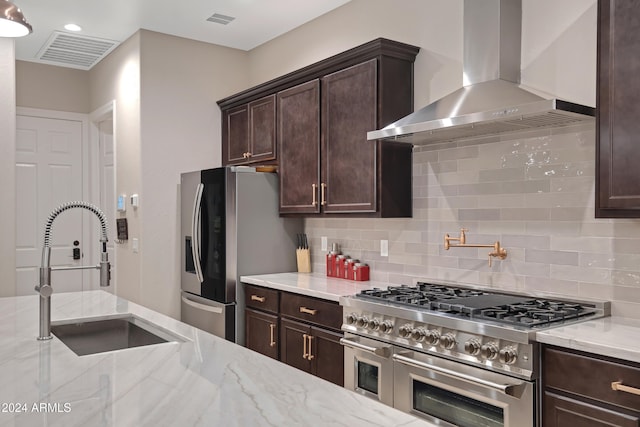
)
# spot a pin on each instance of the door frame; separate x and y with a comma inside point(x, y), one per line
point(87, 177)
point(106, 111)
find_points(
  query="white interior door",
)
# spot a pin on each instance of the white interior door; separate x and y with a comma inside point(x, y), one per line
point(48, 173)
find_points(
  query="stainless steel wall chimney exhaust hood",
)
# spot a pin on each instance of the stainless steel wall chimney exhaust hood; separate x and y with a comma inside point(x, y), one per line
point(491, 101)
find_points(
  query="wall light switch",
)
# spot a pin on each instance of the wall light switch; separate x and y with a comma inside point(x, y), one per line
point(323, 239)
point(384, 248)
point(135, 245)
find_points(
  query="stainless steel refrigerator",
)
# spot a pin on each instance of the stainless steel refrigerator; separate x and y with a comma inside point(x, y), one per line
point(230, 227)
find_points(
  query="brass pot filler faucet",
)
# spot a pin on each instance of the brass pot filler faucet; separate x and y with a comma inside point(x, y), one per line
point(498, 251)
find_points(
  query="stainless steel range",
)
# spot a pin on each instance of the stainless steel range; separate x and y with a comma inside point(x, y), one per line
point(453, 355)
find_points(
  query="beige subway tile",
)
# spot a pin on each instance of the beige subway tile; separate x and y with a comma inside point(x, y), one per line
point(551, 257)
point(582, 244)
point(580, 274)
point(458, 153)
point(626, 278)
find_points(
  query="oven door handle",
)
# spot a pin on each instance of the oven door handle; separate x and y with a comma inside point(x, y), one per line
point(379, 351)
point(512, 389)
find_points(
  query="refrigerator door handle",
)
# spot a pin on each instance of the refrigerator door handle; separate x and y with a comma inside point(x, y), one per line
point(195, 231)
point(204, 307)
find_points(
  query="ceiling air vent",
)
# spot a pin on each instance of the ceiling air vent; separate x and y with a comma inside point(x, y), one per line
point(75, 51)
point(220, 19)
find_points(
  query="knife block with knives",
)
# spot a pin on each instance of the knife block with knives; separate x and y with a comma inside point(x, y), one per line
point(303, 256)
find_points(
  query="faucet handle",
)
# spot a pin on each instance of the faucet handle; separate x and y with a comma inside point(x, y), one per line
point(463, 237)
point(45, 290)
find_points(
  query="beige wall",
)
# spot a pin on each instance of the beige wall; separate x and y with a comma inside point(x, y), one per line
point(117, 78)
point(180, 81)
point(558, 49)
point(52, 88)
point(167, 121)
point(434, 25)
point(7, 168)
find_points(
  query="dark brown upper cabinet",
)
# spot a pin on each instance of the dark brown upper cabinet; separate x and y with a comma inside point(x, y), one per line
point(618, 110)
point(249, 132)
point(298, 133)
point(323, 113)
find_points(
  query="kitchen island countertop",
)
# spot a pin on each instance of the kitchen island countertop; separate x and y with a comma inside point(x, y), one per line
point(202, 381)
point(311, 284)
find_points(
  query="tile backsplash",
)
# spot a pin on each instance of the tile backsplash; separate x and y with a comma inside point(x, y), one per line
point(534, 193)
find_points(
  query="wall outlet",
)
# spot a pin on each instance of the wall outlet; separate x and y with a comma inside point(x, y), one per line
point(384, 248)
point(323, 239)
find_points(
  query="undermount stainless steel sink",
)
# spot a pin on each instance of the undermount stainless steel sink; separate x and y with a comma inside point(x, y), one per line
point(91, 336)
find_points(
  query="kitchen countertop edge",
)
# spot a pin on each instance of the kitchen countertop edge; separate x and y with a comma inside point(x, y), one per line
point(310, 284)
point(608, 336)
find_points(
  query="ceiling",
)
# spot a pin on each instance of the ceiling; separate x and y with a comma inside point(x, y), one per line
point(256, 22)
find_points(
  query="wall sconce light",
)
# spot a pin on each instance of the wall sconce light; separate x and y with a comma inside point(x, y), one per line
point(12, 21)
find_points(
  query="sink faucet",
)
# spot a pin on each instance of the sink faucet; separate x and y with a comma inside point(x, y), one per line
point(44, 287)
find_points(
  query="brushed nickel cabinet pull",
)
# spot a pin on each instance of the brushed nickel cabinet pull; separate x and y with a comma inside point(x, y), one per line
point(272, 328)
point(618, 386)
point(314, 202)
point(308, 311)
point(309, 355)
point(323, 198)
point(257, 298)
point(304, 346)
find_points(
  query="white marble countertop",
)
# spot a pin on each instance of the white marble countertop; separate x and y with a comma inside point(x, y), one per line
point(203, 381)
point(610, 336)
point(311, 284)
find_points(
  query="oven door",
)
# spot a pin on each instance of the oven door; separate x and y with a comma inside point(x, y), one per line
point(368, 367)
point(454, 394)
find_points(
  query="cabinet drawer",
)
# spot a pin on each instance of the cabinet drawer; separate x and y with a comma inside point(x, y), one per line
point(261, 298)
point(313, 310)
point(590, 377)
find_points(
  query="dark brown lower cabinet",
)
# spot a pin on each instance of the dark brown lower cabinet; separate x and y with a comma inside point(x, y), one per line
point(261, 332)
point(301, 331)
point(314, 350)
point(563, 411)
point(578, 390)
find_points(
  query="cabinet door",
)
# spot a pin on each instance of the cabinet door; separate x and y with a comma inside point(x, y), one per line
point(294, 344)
point(262, 128)
point(349, 167)
point(618, 109)
point(560, 411)
point(328, 355)
point(298, 131)
point(235, 135)
point(261, 332)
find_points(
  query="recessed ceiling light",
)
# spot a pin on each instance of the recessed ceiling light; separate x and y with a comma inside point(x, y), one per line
point(73, 27)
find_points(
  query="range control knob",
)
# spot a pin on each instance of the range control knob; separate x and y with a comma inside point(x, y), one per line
point(362, 322)
point(405, 330)
point(448, 341)
point(508, 355)
point(432, 337)
point(386, 327)
point(489, 351)
point(472, 347)
point(374, 324)
point(418, 334)
point(352, 318)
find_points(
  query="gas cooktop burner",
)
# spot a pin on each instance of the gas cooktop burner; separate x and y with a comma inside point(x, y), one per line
point(480, 305)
